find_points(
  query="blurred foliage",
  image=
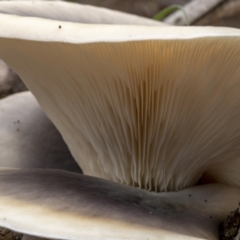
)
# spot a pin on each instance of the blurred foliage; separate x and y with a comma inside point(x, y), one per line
point(146, 8)
point(168, 10)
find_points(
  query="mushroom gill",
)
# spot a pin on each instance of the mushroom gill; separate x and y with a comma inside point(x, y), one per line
point(62, 205)
point(155, 108)
point(149, 107)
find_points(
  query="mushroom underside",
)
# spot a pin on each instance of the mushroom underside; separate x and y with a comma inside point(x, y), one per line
point(29, 194)
point(41, 202)
point(135, 105)
point(155, 114)
point(35, 197)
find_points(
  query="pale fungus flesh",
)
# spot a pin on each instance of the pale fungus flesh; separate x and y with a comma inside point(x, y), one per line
point(150, 107)
point(28, 139)
point(62, 205)
point(73, 12)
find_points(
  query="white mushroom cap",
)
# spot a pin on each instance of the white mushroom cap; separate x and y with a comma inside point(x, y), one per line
point(64, 205)
point(27, 137)
point(145, 106)
point(72, 12)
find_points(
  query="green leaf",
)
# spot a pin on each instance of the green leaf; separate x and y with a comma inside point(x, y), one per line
point(168, 10)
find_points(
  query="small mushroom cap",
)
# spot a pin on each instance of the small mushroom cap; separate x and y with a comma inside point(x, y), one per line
point(72, 12)
point(64, 205)
point(28, 139)
point(151, 107)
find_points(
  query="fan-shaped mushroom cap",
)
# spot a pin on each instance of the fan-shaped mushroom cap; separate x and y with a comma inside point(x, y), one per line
point(153, 107)
point(64, 205)
point(72, 12)
point(27, 137)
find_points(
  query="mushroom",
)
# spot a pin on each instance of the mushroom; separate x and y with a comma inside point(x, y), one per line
point(155, 108)
point(72, 12)
point(63, 205)
point(28, 139)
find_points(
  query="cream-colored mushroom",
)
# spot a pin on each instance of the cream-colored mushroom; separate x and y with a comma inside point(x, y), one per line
point(151, 107)
point(72, 12)
point(145, 106)
point(64, 205)
point(27, 137)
